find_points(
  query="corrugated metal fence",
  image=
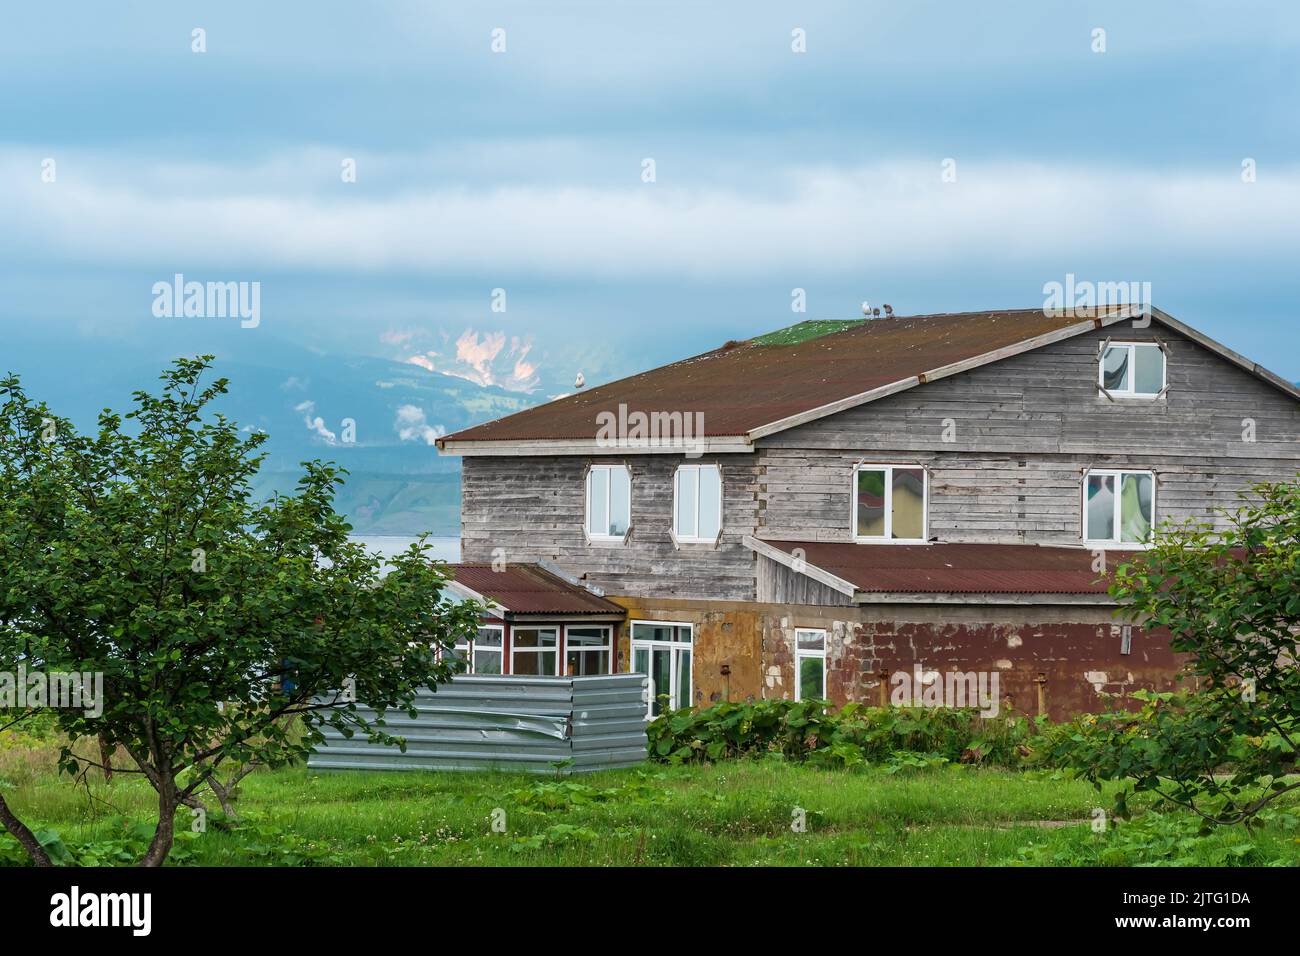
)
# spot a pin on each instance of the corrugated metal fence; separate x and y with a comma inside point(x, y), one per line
point(506, 723)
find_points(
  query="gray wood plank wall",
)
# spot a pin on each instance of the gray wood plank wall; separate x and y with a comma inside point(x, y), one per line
point(534, 507)
point(1024, 430)
point(777, 584)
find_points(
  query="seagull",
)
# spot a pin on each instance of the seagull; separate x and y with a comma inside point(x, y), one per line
point(579, 381)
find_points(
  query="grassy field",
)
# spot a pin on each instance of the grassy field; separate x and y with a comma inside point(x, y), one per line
point(733, 814)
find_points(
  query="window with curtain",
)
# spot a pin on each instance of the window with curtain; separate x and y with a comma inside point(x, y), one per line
point(889, 503)
point(1132, 368)
point(1118, 506)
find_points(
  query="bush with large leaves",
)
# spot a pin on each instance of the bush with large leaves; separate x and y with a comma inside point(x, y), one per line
point(225, 628)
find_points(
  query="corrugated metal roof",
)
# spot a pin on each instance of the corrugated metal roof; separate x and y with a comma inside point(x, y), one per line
point(745, 385)
point(958, 568)
point(531, 589)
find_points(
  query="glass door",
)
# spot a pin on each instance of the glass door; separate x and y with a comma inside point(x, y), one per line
point(662, 651)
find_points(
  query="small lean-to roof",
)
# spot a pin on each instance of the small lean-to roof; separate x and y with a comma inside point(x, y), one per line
point(745, 390)
point(528, 589)
point(861, 570)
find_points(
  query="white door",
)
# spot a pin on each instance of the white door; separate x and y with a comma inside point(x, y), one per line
point(662, 651)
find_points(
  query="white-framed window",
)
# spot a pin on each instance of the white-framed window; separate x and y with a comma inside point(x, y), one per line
point(609, 501)
point(482, 655)
point(1132, 369)
point(588, 650)
point(809, 663)
point(697, 503)
point(535, 651)
point(890, 503)
point(662, 651)
point(1119, 506)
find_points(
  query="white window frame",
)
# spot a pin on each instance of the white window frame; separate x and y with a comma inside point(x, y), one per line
point(607, 472)
point(556, 649)
point(649, 646)
point(1131, 391)
point(608, 646)
point(1117, 505)
point(696, 539)
point(801, 655)
point(889, 503)
point(470, 648)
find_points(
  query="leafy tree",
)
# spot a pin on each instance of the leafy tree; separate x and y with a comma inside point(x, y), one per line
point(227, 630)
point(1230, 598)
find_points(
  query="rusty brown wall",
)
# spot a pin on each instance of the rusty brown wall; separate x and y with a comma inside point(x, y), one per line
point(1073, 652)
point(726, 633)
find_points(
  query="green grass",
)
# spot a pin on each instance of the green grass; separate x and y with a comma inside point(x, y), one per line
point(733, 814)
point(806, 331)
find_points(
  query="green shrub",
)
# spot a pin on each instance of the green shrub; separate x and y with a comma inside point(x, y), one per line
point(814, 731)
point(1190, 749)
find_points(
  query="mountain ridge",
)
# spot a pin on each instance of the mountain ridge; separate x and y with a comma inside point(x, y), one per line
point(309, 402)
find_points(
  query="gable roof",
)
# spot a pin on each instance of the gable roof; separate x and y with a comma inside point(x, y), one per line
point(746, 390)
point(528, 589)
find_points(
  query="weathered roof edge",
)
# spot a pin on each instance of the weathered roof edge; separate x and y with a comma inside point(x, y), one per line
point(494, 607)
point(490, 606)
point(744, 443)
point(821, 576)
point(519, 447)
point(1236, 358)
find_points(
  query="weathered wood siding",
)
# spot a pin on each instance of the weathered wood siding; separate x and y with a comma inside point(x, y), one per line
point(534, 507)
point(1023, 430)
point(777, 584)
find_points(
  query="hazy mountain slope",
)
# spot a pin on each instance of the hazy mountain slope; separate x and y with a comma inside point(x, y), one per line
point(302, 399)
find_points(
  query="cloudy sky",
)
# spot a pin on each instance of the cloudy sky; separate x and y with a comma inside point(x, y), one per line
point(525, 169)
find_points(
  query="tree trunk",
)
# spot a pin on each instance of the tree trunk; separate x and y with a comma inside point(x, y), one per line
point(24, 836)
point(106, 758)
point(227, 792)
point(161, 845)
point(223, 798)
